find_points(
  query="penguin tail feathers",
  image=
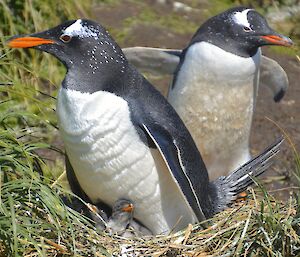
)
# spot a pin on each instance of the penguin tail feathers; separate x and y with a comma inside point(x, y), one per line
point(225, 189)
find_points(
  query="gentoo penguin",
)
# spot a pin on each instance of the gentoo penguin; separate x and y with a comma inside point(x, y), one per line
point(124, 140)
point(121, 217)
point(160, 61)
point(216, 82)
point(120, 221)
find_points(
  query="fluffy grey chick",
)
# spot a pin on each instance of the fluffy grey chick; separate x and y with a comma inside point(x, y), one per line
point(121, 221)
point(121, 217)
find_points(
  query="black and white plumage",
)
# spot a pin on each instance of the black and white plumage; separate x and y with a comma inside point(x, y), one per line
point(160, 61)
point(216, 82)
point(123, 139)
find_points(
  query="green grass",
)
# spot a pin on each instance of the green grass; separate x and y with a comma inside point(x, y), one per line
point(148, 16)
point(33, 219)
point(32, 72)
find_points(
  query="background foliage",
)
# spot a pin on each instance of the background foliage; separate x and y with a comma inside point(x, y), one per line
point(33, 219)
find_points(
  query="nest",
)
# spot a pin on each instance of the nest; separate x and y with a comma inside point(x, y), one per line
point(34, 221)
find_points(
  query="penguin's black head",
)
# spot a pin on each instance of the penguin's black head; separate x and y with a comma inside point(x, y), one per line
point(123, 206)
point(84, 46)
point(241, 31)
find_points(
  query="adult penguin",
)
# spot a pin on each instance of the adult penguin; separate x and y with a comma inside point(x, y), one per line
point(124, 140)
point(216, 82)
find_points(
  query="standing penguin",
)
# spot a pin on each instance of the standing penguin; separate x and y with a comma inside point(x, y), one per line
point(124, 140)
point(216, 82)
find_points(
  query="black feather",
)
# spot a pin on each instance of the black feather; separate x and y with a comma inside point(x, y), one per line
point(224, 190)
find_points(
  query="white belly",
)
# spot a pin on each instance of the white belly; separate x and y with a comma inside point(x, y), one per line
point(110, 161)
point(215, 96)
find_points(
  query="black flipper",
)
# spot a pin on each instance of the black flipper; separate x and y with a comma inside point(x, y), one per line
point(73, 182)
point(175, 52)
point(171, 155)
point(274, 77)
point(224, 190)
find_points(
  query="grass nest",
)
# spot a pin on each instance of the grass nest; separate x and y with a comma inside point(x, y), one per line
point(34, 221)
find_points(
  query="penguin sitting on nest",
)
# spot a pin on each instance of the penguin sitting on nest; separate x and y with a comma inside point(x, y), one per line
point(124, 140)
point(215, 84)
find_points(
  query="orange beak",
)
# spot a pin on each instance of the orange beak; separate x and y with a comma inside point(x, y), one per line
point(128, 208)
point(25, 42)
point(277, 40)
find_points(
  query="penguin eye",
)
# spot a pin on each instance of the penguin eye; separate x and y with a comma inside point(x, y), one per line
point(65, 38)
point(247, 29)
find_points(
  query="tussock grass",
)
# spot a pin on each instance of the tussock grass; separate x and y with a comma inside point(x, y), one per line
point(252, 229)
point(31, 72)
point(35, 222)
point(33, 219)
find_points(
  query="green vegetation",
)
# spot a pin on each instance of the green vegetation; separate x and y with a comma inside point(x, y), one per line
point(31, 211)
point(30, 71)
point(33, 219)
point(177, 24)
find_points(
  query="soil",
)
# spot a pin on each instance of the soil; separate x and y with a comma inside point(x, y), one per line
point(285, 113)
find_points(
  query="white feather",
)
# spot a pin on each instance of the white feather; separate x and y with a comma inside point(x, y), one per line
point(241, 18)
point(214, 94)
point(77, 29)
point(111, 162)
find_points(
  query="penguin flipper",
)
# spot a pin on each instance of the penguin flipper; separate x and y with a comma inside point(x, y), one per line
point(164, 61)
point(153, 60)
point(73, 182)
point(74, 202)
point(274, 77)
point(170, 153)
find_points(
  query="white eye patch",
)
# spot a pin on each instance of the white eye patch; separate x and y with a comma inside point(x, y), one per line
point(241, 18)
point(77, 29)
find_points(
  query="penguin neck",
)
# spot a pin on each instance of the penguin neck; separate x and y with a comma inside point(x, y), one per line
point(88, 80)
point(216, 64)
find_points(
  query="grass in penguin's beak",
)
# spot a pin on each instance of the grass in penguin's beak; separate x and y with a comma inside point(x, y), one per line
point(26, 42)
